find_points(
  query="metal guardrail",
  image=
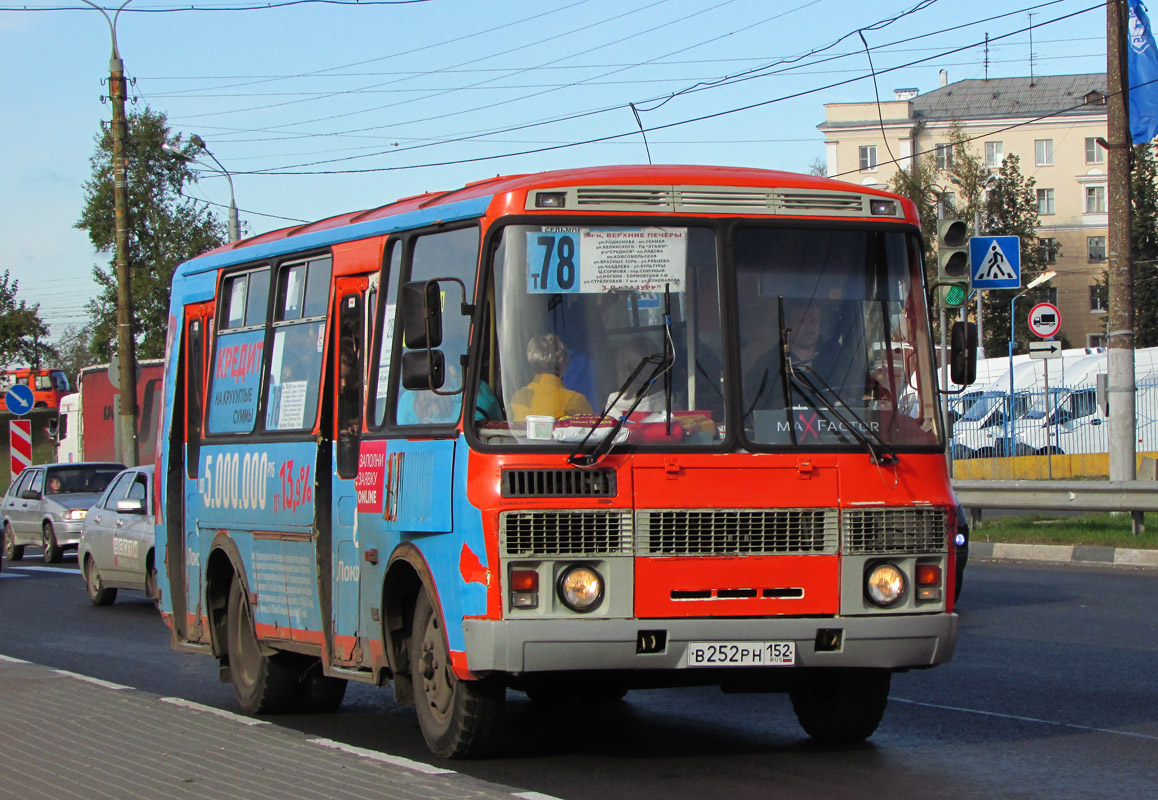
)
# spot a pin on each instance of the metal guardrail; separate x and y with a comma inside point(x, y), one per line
point(1137, 497)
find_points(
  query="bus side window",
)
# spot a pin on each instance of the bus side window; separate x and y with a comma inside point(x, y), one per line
point(385, 339)
point(449, 254)
point(238, 352)
point(351, 369)
point(194, 382)
point(299, 329)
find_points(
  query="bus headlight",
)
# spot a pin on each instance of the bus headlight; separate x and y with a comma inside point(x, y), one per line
point(581, 588)
point(885, 584)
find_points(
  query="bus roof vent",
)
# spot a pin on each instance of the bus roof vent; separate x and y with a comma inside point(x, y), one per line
point(827, 203)
point(559, 483)
point(654, 198)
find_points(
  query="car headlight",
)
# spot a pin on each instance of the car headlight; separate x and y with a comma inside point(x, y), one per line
point(76, 513)
point(580, 588)
point(885, 584)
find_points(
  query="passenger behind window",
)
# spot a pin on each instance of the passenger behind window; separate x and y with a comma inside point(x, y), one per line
point(630, 354)
point(546, 395)
point(424, 407)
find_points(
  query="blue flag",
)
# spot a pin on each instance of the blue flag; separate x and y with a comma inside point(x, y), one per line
point(1143, 60)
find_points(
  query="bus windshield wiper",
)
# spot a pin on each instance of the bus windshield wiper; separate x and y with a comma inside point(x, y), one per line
point(805, 382)
point(603, 446)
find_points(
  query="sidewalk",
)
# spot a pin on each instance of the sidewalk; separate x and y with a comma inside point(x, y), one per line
point(1063, 554)
point(68, 736)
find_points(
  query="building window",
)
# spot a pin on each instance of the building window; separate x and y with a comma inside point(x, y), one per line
point(1050, 293)
point(1048, 248)
point(1043, 149)
point(946, 204)
point(994, 153)
point(1096, 248)
point(1095, 199)
point(1099, 297)
point(1095, 153)
point(944, 156)
point(1045, 201)
point(1095, 340)
point(868, 157)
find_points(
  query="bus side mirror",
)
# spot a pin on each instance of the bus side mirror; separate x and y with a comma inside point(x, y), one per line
point(52, 429)
point(963, 354)
point(423, 369)
point(421, 314)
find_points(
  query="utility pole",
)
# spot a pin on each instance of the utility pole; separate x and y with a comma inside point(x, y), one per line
point(126, 356)
point(1122, 439)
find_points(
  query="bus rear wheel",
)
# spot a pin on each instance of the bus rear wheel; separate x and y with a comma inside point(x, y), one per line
point(457, 717)
point(841, 705)
point(265, 684)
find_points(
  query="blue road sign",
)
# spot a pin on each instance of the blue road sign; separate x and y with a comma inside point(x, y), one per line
point(18, 398)
point(995, 262)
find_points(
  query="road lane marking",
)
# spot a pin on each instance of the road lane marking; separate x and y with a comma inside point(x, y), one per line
point(4, 575)
point(88, 679)
point(535, 796)
point(385, 758)
point(1026, 719)
point(61, 570)
point(177, 701)
point(11, 660)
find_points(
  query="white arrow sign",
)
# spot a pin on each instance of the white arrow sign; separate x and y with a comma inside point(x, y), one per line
point(1047, 349)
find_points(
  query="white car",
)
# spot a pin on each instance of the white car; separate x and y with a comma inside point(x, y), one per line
point(116, 546)
point(46, 505)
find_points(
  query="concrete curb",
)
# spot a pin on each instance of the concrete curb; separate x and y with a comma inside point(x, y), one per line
point(1064, 554)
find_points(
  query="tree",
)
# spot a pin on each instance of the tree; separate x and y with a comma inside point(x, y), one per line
point(1011, 210)
point(165, 228)
point(919, 184)
point(23, 334)
point(967, 172)
point(75, 352)
point(1144, 243)
point(818, 167)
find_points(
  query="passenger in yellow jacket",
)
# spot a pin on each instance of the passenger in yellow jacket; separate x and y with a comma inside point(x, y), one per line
point(546, 395)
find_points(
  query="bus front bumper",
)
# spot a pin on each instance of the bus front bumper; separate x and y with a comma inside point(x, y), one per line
point(880, 641)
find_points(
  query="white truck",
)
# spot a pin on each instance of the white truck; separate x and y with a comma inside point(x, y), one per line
point(86, 429)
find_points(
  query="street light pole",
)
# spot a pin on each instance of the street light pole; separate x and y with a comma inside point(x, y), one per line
point(234, 227)
point(127, 378)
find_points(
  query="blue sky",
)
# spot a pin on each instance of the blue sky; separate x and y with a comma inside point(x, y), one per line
point(462, 84)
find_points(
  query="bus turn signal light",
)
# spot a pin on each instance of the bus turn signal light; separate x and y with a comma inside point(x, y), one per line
point(928, 575)
point(524, 588)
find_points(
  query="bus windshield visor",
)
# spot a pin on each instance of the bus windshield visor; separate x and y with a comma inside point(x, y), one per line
point(843, 308)
point(588, 325)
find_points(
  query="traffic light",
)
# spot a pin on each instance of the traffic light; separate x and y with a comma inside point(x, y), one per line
point(953, 273)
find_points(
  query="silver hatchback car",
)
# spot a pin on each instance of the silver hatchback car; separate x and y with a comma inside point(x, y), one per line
point(116, 547)
point(46, 505)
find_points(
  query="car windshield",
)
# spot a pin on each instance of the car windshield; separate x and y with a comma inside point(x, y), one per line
point(79, 479)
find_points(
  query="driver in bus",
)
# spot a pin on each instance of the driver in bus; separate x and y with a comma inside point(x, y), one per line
point(545, 394)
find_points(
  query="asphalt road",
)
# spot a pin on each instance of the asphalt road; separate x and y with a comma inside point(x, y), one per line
point(1051, 694)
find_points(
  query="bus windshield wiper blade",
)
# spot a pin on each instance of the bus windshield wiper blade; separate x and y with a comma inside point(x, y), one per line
point(580, 459)
point(863, 434)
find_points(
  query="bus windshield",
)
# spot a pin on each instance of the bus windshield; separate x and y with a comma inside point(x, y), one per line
point(594, 322)
point(604, 322)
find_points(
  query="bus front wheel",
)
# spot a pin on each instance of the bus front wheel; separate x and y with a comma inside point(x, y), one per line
point(456, 716)
point(265, 684)
point(841, 705)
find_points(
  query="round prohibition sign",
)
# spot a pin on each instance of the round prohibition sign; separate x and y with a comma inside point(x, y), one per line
point(1044, 320)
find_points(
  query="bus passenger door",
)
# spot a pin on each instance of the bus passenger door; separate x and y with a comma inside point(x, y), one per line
point(351, 297)
point(184, 555)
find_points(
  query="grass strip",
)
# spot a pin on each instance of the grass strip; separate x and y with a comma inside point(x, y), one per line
point(1098, 530)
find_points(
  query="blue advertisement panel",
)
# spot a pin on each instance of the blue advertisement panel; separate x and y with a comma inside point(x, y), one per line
point(266, 486)
point(236, 380)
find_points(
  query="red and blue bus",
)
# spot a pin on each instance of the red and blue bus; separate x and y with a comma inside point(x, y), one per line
point(570, 434)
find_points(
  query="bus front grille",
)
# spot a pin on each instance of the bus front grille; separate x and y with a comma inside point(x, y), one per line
point(712, 532)
point(894, 530)
point(559, 483)
point(526, 534)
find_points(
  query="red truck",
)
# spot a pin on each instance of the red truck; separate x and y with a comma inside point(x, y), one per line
point(86, 429)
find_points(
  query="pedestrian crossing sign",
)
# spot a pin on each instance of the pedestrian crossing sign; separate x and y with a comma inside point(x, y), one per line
point(995, 262)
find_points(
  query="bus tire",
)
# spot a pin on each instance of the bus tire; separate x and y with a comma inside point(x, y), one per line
point(457, 717)
point(98, 593)
point(320, 694)
point(52, 550)
point(264, 684)
point(12, 551)
point(841, 705)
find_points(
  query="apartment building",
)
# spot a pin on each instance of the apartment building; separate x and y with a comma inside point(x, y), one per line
point(1051, 123)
